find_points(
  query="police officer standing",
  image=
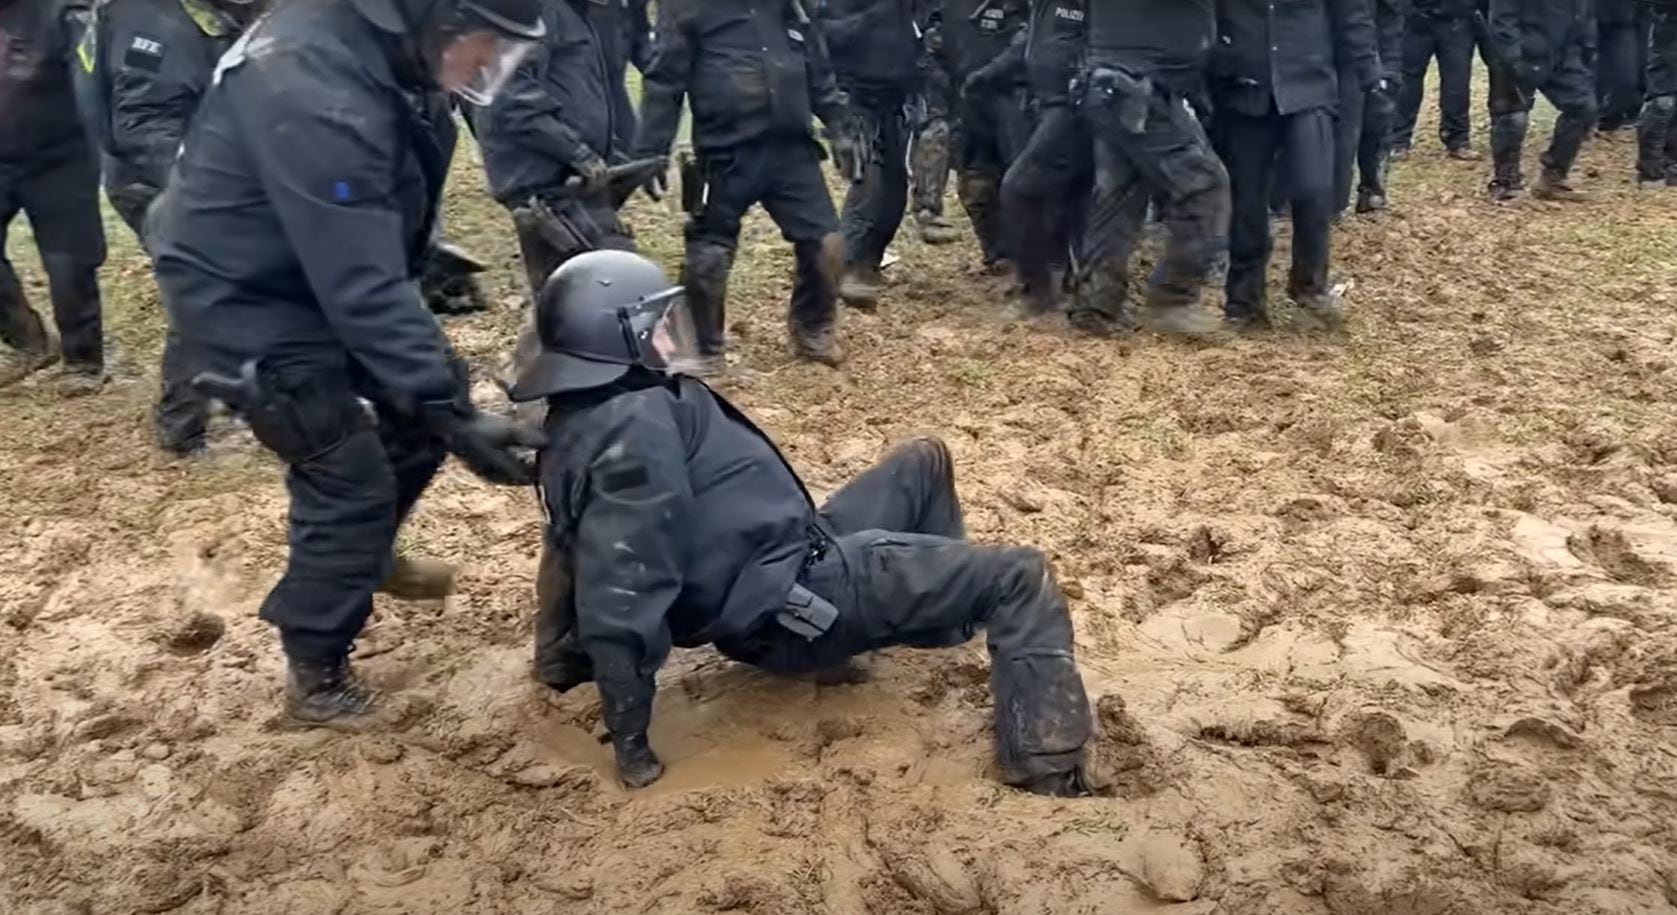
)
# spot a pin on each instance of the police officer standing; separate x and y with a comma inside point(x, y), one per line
point(928, 154)
point(1275, 86)
point(676, 522)
point(551, 135)
point(1621, 55)
point(49, 171)
point(286, 245)
point(1146, 59)
point(987, 63)
point(1363, 142)
point(1044, 189)
point(1442, 29)
point(875, 47)
point(1656, 161)
point(1539, 46)
point(150, 63)
point(753, 74)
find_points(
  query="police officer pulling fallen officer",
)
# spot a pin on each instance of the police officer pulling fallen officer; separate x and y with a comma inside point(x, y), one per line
point(674, 521)
point(286, 244)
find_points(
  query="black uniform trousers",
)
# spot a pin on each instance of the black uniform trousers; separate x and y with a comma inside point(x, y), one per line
point(933, 133)
point(1569, 86)
point(1172, 157)
point(1253, 148)
point(1621, 49)
point(1656, 141)
point(873, 207)
point(1044, 195)
point(901, 573)
point(354, 476)
point(784, 175)
point(182, 414)
point(1450, 39)
point(59, 190)
point(1362, 142)
point(993, 129)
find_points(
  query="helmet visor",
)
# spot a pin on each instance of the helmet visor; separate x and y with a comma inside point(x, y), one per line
point(485, 59)
point(661, 332)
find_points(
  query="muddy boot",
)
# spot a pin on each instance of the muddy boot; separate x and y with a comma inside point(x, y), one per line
point(936, 229)
point(419, 579)
point(1399, 153)
point(327, 693)
point(1652, 184)
point(1370, 202)
point(1075, 783)
point(1321, 312)
point(1504, 190)
point(20, 365)
point(1033, 300)
point(79, 381)
point(704, 275)
point(1552, 186)
point(1462, 154)
point(816, 343)
point(1182, 321)
point(1247, 322)
point(1096, 323)
point(1508, 134)
point(861, 287)
point(448, 283)
point(22, 330)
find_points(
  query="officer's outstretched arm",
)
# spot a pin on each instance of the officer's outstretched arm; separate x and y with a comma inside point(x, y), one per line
point(328, 152)
point(628, 556)
point(664, 82)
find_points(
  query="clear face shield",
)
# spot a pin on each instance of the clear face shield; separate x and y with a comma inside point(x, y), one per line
point(661, 332)
point(476, 64)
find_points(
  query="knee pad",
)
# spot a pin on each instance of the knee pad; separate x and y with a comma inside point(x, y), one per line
point(1662, 105)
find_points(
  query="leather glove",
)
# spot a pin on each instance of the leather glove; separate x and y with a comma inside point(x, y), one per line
point(593, 174)
point(490, 446)
point(637, 765)
point(846, 156)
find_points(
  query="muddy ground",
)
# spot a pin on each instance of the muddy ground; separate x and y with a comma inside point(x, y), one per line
point(1381, 623)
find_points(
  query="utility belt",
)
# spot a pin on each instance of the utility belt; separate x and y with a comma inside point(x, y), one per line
point(1128, 95)
point(559, 218)
point(806, 613)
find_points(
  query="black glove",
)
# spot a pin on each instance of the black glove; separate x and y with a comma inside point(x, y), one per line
point(847, 156)
point(489, 445)
point(592, 174)
point(637, 765)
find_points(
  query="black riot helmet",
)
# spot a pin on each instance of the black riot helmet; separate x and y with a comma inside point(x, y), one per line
point(468, 47)
point(602, 315)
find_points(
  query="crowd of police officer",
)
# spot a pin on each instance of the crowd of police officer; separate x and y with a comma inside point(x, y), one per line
point(284, 171)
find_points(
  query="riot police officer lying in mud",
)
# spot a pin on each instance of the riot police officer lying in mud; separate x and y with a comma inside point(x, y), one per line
point(674, 521)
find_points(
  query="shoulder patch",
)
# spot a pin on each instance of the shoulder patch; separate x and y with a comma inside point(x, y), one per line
point(144, 53)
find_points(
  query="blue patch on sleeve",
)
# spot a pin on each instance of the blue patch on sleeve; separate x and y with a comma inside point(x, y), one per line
point(341, 191)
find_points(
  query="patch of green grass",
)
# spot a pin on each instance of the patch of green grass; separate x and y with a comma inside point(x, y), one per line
point(972, 372)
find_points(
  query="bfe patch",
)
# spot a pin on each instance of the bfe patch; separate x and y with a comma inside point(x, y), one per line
point(144, 53)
